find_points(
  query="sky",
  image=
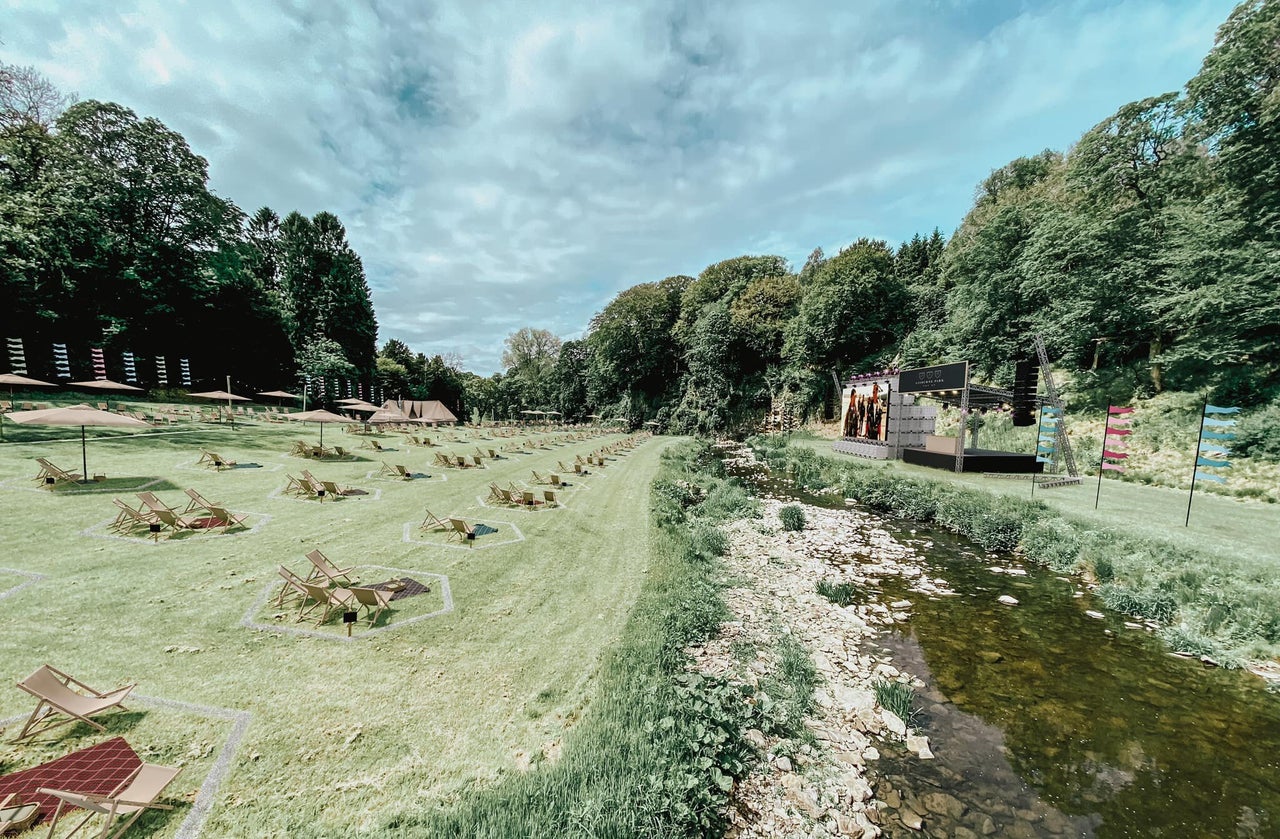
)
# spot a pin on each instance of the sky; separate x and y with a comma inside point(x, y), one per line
point(506, 164)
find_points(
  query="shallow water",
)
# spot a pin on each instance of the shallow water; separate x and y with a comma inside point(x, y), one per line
point(1047, 722)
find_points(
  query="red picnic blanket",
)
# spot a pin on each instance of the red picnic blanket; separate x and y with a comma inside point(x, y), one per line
point(97, 769)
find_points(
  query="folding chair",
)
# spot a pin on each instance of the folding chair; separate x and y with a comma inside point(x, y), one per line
point(461, 530)
point(330, 598)
point(56, 694)
point(132, 798)
point(432, 522)
point(325, 569)
point(197, 502)
point(226, 518)
point(374, 601)
point(292, 582)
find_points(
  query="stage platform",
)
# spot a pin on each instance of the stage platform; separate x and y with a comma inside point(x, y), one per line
point(976, 460)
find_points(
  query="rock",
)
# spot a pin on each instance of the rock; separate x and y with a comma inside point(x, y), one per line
point(900, 604)
point(870, 753)
point(988, 826)
point(943, 804)
point(893, 722)
point(962, 832)
point(1007, 600)
point(783, 763)
point(756, 737)
point(891, 799)
point(1094, 614)
point(911, 819)
point(920, 747)
point(991, 656)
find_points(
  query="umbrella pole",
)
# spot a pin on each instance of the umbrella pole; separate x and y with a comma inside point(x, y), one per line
point(84, 457)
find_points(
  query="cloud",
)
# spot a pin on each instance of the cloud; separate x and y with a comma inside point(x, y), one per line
point(507, 164)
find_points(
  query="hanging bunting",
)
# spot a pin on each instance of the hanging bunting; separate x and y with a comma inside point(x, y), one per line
point(130, 370)
point(162, 374)
point(17, 356)
point(1114, 444)
point(1047, 442)
point(185, 366)
point(1212, 454)
point(99, 363)
point(61, 364)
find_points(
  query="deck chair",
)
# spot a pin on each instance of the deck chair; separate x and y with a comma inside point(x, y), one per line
point(332, 489)
point(153, 502)
point(433, 522)
point(330, 598)
point(549, 497)
point(538, 479)
point(527, 499)
point(301, 448)
point(16, 816)
point(461, 530)
point(129, 519)
point(173, 521)
point(197, 502)
point(214, 460)
point(326, 570)
point(292, 583)
point(373, 600)
point(50, 474)
point(57, 694)
point(554, 479)
point(495, 492)
point(441, 460)
point(342, 453)
point(226, 518)
point(135, 795)
point(461, 461)
point(297, 486)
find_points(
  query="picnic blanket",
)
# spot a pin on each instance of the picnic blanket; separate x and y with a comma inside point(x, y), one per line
point(97, 769)
point(402, 588)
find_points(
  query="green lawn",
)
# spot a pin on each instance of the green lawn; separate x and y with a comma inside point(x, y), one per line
point(341, 734)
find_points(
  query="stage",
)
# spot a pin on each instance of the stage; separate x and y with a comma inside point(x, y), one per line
point(975, 460)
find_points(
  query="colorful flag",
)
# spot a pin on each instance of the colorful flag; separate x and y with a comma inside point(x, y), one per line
point(1219, 453)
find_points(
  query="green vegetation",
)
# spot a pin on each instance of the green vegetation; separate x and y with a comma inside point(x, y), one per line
point(841, 594)
point(896, 697)
point(1219, 594)
point(792, 517)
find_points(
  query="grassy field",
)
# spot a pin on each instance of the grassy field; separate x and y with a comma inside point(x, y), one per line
point(341, 736)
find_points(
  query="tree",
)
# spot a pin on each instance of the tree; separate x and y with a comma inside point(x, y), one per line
point(529, 356)
point(632, 350)
point(322, 358)
point(723, 281)
point(28, 98)
point(854, 307)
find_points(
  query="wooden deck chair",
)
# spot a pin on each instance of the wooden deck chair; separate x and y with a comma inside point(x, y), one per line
point(528, 499)
point(461, 530)
point(538, 478)
point(173, 521)
point(433, 522)
point(135, 795)
point(60, 694)
point(342, 453)
point(550, 498)
point(441, 460)
point(554, 479)
point(332, 489)
point(130, 519)
point(373, 600)
point(300, 448)
point(153, 502)
point(495, 492)
point(292, 583)
point(197, 502)
point(226, 518)
point(51, 475)
point(297, 486)
point(388, 469)
point(330, 598)
point(324, 569)
point(16, 816)
point(461, 461)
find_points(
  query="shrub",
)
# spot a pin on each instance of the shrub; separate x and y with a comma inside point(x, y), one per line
point(841, 594)
point(792, 517)
point(896, 697)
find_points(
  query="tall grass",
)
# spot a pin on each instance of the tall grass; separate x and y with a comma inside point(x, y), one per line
point(658, 748)
point(1230, 608)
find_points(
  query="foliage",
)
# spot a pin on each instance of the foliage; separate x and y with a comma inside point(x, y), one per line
point(839, 593)
point(792, 517)
point(895, 697)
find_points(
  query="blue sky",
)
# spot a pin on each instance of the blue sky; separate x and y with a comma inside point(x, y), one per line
point(509, 164)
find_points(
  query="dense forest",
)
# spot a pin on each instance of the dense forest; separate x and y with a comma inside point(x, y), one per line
point(1145, 255)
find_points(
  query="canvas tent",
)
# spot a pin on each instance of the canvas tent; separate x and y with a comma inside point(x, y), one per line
point(430, 411)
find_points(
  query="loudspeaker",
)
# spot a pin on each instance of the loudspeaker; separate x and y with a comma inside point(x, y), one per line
point(1026, 381)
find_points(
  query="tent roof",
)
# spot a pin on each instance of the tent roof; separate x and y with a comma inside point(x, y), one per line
point(430, 410)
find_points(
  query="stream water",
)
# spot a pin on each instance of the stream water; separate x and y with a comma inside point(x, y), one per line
point(1048, 722)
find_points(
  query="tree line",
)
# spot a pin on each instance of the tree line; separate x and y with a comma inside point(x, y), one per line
point(110, 237)
point(1145, 256)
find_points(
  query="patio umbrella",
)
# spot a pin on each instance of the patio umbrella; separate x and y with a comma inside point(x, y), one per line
point(14, 380)
point(321, 416)
point(279, 394)
point(80, 415)
point(220, 395)
point(385, 414)
point(102, 384)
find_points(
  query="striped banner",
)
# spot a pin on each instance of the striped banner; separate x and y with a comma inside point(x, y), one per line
point(1219, 453)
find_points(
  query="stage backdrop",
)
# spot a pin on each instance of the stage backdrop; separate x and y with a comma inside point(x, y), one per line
point(866, 412)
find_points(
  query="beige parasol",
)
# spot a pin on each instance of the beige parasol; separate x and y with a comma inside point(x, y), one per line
point(220, 396)
point(102, 384)
point(80, 415)
point(321, 416)
point(14, 380)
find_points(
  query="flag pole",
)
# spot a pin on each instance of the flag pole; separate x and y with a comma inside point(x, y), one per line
point(1195, 463)
point(1102, 458)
